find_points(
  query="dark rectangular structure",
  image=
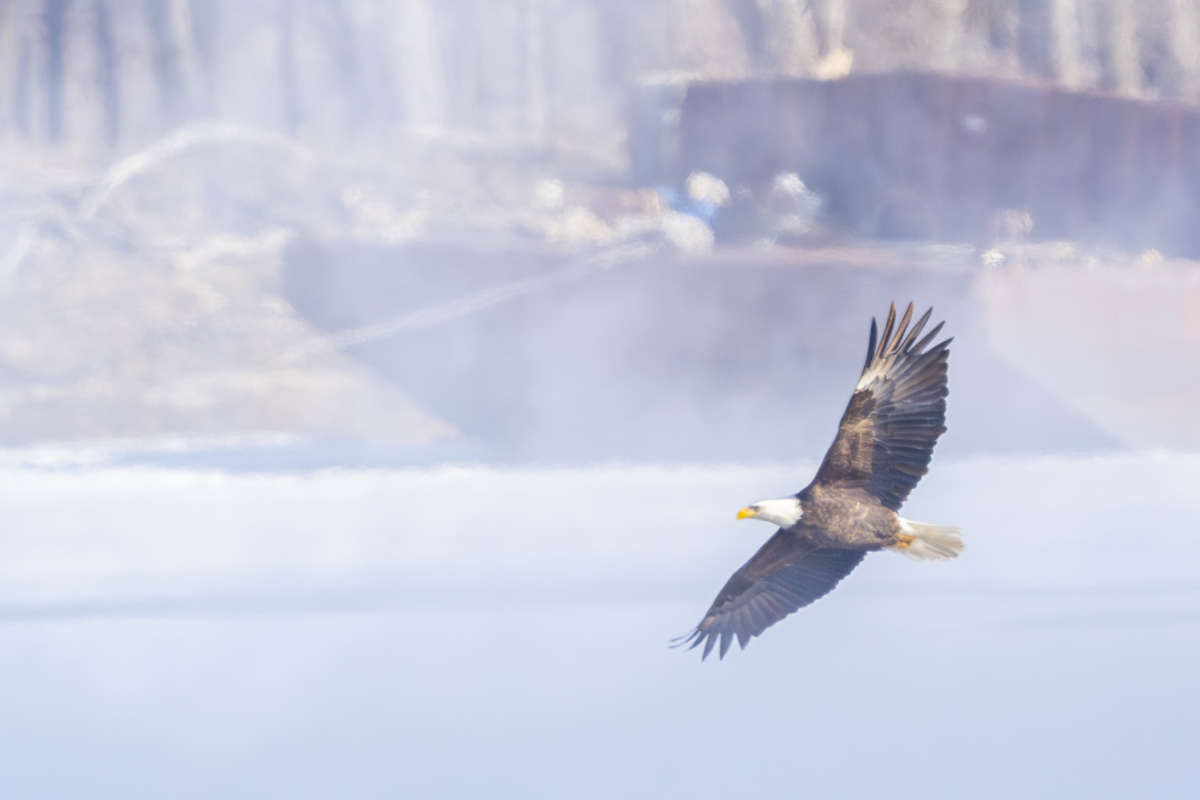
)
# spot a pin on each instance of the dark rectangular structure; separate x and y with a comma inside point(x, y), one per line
point(935, 157)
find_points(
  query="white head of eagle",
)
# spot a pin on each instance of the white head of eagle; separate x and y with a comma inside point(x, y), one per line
point(784, 511)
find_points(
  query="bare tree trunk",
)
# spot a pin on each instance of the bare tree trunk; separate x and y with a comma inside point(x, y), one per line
point(1064, 32)
point(205, 18)
point(107, 72)
point(830, 18)
point(165, 61)
point(22, 78)
point(1034, 39)
point(1122, 70)
point(754, 29)
point(341, 41)
point(536, 111)
point(1184, 32)
point(289, 90)
point(54, 14)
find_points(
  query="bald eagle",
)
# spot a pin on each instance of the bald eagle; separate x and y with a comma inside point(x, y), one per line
point(883, 447)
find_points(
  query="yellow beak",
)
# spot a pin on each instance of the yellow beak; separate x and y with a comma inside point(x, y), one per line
point(747, 513)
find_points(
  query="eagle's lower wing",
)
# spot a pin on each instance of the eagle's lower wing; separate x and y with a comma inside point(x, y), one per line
point(897, 413)
point(785, 575)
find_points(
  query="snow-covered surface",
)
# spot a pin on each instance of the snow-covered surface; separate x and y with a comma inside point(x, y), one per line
point(487, 632)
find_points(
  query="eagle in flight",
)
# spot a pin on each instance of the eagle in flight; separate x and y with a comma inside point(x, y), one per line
point(883, 447)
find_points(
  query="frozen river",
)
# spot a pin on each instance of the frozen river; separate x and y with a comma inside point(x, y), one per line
point(487, 632)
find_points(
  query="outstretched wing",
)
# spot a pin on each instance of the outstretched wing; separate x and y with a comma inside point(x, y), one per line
point(785, 575)
point(894, 419)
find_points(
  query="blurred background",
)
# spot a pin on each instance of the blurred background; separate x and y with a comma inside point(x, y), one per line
point(379, 380)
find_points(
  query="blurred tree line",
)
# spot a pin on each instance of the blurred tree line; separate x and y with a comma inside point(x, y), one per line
point(105, 76)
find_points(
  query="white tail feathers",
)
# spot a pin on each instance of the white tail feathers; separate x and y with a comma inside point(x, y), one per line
point(928, 542)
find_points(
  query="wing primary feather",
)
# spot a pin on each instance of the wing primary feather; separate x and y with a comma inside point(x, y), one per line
point(680, 641)
point(901, 328)
point(928, 337)
point(887, 331)
point(871, 346)
point(743, 638)
point(916, 331)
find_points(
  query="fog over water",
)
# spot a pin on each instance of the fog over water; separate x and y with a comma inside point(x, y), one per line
point(463, 631)
point(379, 383)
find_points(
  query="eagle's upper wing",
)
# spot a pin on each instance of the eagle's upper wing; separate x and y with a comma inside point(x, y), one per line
point(786, 574)
point(895, 416)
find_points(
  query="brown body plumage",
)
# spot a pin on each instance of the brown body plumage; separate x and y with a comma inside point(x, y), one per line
point(883, 447)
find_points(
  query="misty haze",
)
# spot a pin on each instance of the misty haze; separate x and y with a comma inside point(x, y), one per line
point(379, 383)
